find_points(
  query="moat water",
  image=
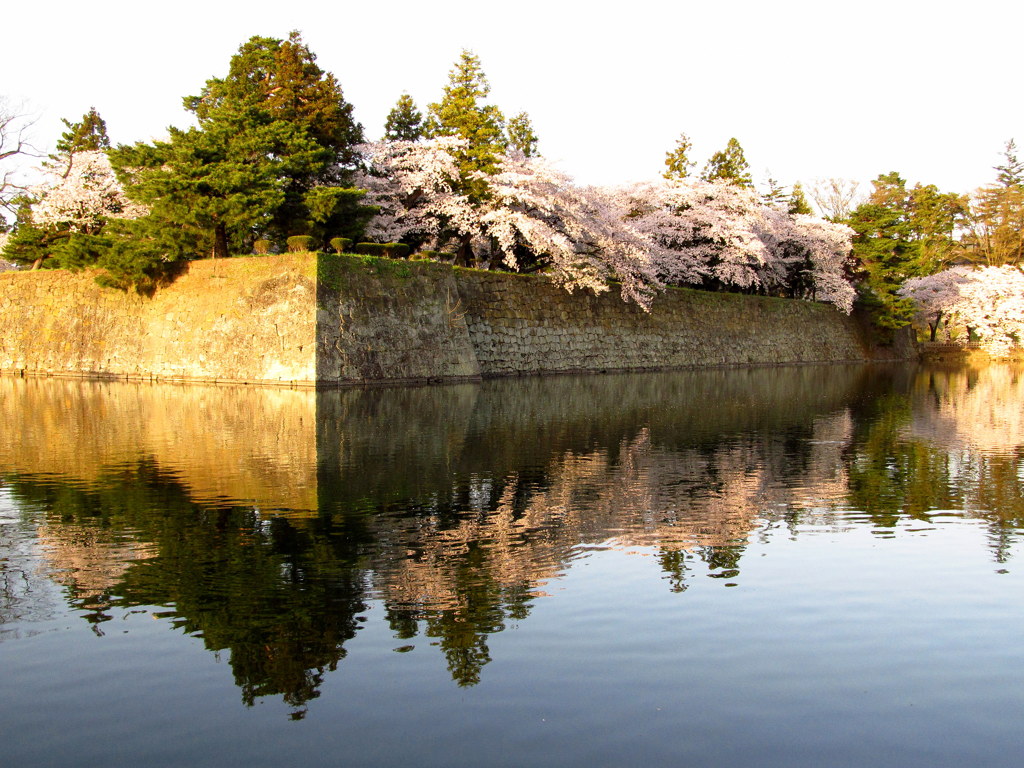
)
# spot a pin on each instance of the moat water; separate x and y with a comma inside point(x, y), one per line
point(809, 566)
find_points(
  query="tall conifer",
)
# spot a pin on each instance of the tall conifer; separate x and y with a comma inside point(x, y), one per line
point(729, 165)
point(462, 113)
point(405, 122)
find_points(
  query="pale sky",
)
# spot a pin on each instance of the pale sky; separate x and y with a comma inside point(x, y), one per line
point(810, 89)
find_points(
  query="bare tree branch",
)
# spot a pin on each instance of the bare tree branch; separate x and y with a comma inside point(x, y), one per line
point(835, 198)
point(15, 148)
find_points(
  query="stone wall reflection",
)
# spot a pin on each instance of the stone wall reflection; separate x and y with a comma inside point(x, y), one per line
point(271, 519)
point(223, 443)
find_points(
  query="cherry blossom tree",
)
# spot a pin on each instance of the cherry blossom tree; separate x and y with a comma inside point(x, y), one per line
point(988, 301)
point(573, 232)
point(81, 194)
point(993, 304)
point(937, 296)
point(76, 199)
point(702, 233)
point(415, 186)
point(720, 235)
point(681, 232)
point(534, 217)
point(809, 258)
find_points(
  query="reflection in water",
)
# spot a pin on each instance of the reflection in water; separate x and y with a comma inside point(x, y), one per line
point(266, 522)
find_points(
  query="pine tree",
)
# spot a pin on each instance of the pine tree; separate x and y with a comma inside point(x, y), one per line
point(678, 161)
point(775, 194)
point(282, 78)
point(87, 135)
point(405, 122)
point(274, 141)
point(1011, 172)
point(902, 233)
point(276, 96)
point(462, 113)
point(797, 203)
point(521, 136)
point(996, 233)
point(729, 165)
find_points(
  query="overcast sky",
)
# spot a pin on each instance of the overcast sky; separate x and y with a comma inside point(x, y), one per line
point(810, 89)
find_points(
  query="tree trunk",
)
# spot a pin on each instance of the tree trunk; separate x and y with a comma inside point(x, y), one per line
point(220, 242)
point(464, 256)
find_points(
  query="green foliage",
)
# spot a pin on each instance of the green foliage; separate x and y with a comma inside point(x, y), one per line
point(370, 249)
point(341, 244)
point(521, 136)
point(138, 266)
point(261, 247)
point(462, 113)
point(404, 122)
point(995, 236)
point(281, 80)
point(677, 162)
point(28, 245)
point(775, 194)
point(282, 77)
point(902, 233)
point(729, 165)
point(797, 203)
point(383, 250)
point(205, 181)
point(269, 158)
point(1011, 170)
point(336, 209)
point(300, 244)
point(996, 233)
point(87, 135)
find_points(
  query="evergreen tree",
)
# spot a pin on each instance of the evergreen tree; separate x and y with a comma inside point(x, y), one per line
point(274, 144)
point(221, 182)
point(884, 251)
point(521, 136)
point(462, 113)
point(729, 165)
point(1011, 171)
point(405, 122)
point(797, 203)
point(775, 195)
point(995, 236)
point(281, 78)
point(87, 135)
point(902, 233)
point(677, 162)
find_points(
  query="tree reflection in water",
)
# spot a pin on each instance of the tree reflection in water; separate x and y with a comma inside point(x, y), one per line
point(268, 523)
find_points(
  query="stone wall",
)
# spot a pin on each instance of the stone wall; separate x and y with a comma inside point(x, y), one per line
point(221, 320)
point(385, 320)
point(300, 319)
point(526, 325)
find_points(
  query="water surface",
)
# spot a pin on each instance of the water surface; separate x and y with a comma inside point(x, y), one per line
point(794, 566)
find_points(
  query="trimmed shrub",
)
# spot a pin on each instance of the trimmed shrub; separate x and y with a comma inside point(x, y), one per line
point(389, 250)
point(371, 249)
point(261, 247)
point(300, 243)
point(396, 250)
point(340, 244)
